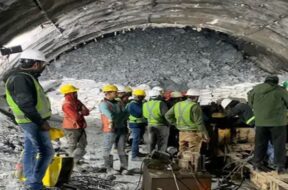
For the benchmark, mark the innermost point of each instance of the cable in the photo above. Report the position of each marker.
(140, 177)
(174, 176)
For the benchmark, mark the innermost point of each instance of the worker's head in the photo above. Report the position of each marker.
(68, 89)
(139, 94)
(33, 60)
(110, 91)
(153, 94)
(193, 94)
(225, 103)
(272, 79)
(128, 90)
(160, 89)
(121, 91)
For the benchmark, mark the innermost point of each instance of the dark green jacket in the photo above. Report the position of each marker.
(269, 103)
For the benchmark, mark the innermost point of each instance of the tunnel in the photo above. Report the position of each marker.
(258, 28)
(215, 45)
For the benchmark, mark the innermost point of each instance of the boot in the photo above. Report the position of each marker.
(108, 162)
(123, 164)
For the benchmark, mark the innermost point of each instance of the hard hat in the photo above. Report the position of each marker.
(154, 93)
(158, 88)
(285, 84)
(176, 94)
(33, 55)
(121, 88)
(193, 92)
(128, 89)
(68, 88)
(139, 92)
(109, 88)
(225, 102)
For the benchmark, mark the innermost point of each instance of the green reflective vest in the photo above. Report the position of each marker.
(182, 112)
(133, 119)
(152, 111)
(43, 104)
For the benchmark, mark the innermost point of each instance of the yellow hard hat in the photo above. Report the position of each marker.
(110, 88)
(139, 92)
(68, 88)
(127, 89)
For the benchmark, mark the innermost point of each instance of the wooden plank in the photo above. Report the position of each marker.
(264, 180)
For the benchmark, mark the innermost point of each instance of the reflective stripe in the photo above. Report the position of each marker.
(250, 120)
(43, 106)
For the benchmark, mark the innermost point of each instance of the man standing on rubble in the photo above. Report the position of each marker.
(31, 108)
(188, 118)
(269, 102)
(154, 111)
(74, 123)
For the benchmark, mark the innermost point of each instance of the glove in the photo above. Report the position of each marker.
(45, 126)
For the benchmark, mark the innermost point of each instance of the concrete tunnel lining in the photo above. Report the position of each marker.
(256, 23)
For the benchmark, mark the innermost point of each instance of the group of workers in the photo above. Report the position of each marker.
(123, 110)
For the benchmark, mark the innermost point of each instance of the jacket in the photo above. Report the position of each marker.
(110, 115)
(269, 103)
(23, 91)
(74, 111)
(244, 112)
(134, 108)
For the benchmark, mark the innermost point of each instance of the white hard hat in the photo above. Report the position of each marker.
(176, 94)
(121, 88)
(154, 93)
(158, 88)
(225, 102)
(193, 92)
(33, 55)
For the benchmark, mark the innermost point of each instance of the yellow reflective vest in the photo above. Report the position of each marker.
(182, 112)
(43, 104)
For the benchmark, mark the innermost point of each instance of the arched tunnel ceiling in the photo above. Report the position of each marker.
(263, 24)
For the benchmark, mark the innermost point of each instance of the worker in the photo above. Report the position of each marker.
(173, 139)
(187, 117)
(31, 108)
(122, 131)
(234, 108)
(154, 111)
(110, 117)
(160, 89)
(269, 102)
(74, 123)
(137, 122)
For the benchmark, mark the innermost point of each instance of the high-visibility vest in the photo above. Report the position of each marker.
(152, 111)
(182, 112)
(133, 119)
(42, 106)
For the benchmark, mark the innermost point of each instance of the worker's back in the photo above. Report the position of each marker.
(269, 103)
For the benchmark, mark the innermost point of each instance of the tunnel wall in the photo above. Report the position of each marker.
(261, 24)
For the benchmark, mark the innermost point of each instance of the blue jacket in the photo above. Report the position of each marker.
(134, 108)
